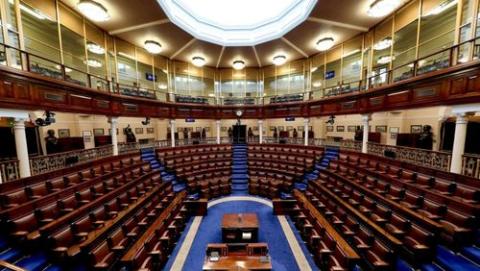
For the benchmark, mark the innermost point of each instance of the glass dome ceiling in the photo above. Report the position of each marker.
(237, 22)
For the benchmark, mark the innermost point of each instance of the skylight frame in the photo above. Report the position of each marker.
(246, 35)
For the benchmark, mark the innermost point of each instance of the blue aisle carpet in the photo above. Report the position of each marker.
(270, 232)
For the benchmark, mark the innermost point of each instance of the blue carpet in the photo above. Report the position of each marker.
(270, 232)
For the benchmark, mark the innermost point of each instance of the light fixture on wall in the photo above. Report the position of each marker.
(93, 10)
(279, 60)
(380, 8)
(383, 44)
(152, 46)
(94, 63)
(238, 64)
(198, 61)
(49, 119)
(146, 121)
(95, 48)
(331, 120)
(325, 44)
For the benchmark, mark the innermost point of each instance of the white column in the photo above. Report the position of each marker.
(366, 127)
(260, 131)
(172, 132)
(459, 143)
(113, 134)
(305, 129)
(22, 148)
(217, 122)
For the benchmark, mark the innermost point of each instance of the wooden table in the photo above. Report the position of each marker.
(250, 256)
(236, 263)
(234, 226)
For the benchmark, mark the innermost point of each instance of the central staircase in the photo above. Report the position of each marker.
(239, 170)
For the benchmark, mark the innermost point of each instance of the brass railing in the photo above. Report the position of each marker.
(471, 165)
(46, 163)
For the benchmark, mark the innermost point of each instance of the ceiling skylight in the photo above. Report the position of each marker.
(237, 22)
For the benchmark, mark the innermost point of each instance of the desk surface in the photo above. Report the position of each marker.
(239, 221)
(237, 263)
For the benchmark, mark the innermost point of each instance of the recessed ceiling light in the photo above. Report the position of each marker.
(325, 44)
(442, 7)
(380, 8)
(238, 64)
(152, 47)
(94, 63)
(95, 48)
(279, 60)
(384, 59)
(198, 61)
(67, 69)
(383, 44)
(93, 10)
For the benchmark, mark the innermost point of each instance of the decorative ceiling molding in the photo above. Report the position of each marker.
(220, 56)
(257, 57)
(139, 26)
(179, 51)
(294, 47)
(339, 24)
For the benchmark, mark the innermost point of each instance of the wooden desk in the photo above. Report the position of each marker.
(236, 263)
(235, 225)
(233, 257)
(197, 207)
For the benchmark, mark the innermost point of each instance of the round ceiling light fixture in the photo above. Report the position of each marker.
(198, 61)
(279, 60)
(95, 48)
(94, 63)
(93, 10)
(383, 44)
(238, 64)
(152, 47)
(380, 8)
(384, 59)
(325, 44)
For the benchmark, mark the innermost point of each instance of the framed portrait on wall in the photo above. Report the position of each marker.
(415, 129)
(207, 129)
(150, 130)
(110, 131)
(271, 128)
(394, 130)
(255, 128)
(381, 128)
(289, 128)
(198, 129)
(281, 128)
(300, 128)
(329, 128)
(62, 133)
(351, 128)
(98, 132)
(223, 129)
(341, 128)
(138, 131)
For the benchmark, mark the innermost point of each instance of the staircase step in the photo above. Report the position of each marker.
(431, 267)
(472, 253)
(10, 255)
(33, 263)
(240, 181)
(453, 262)
(239, 187)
